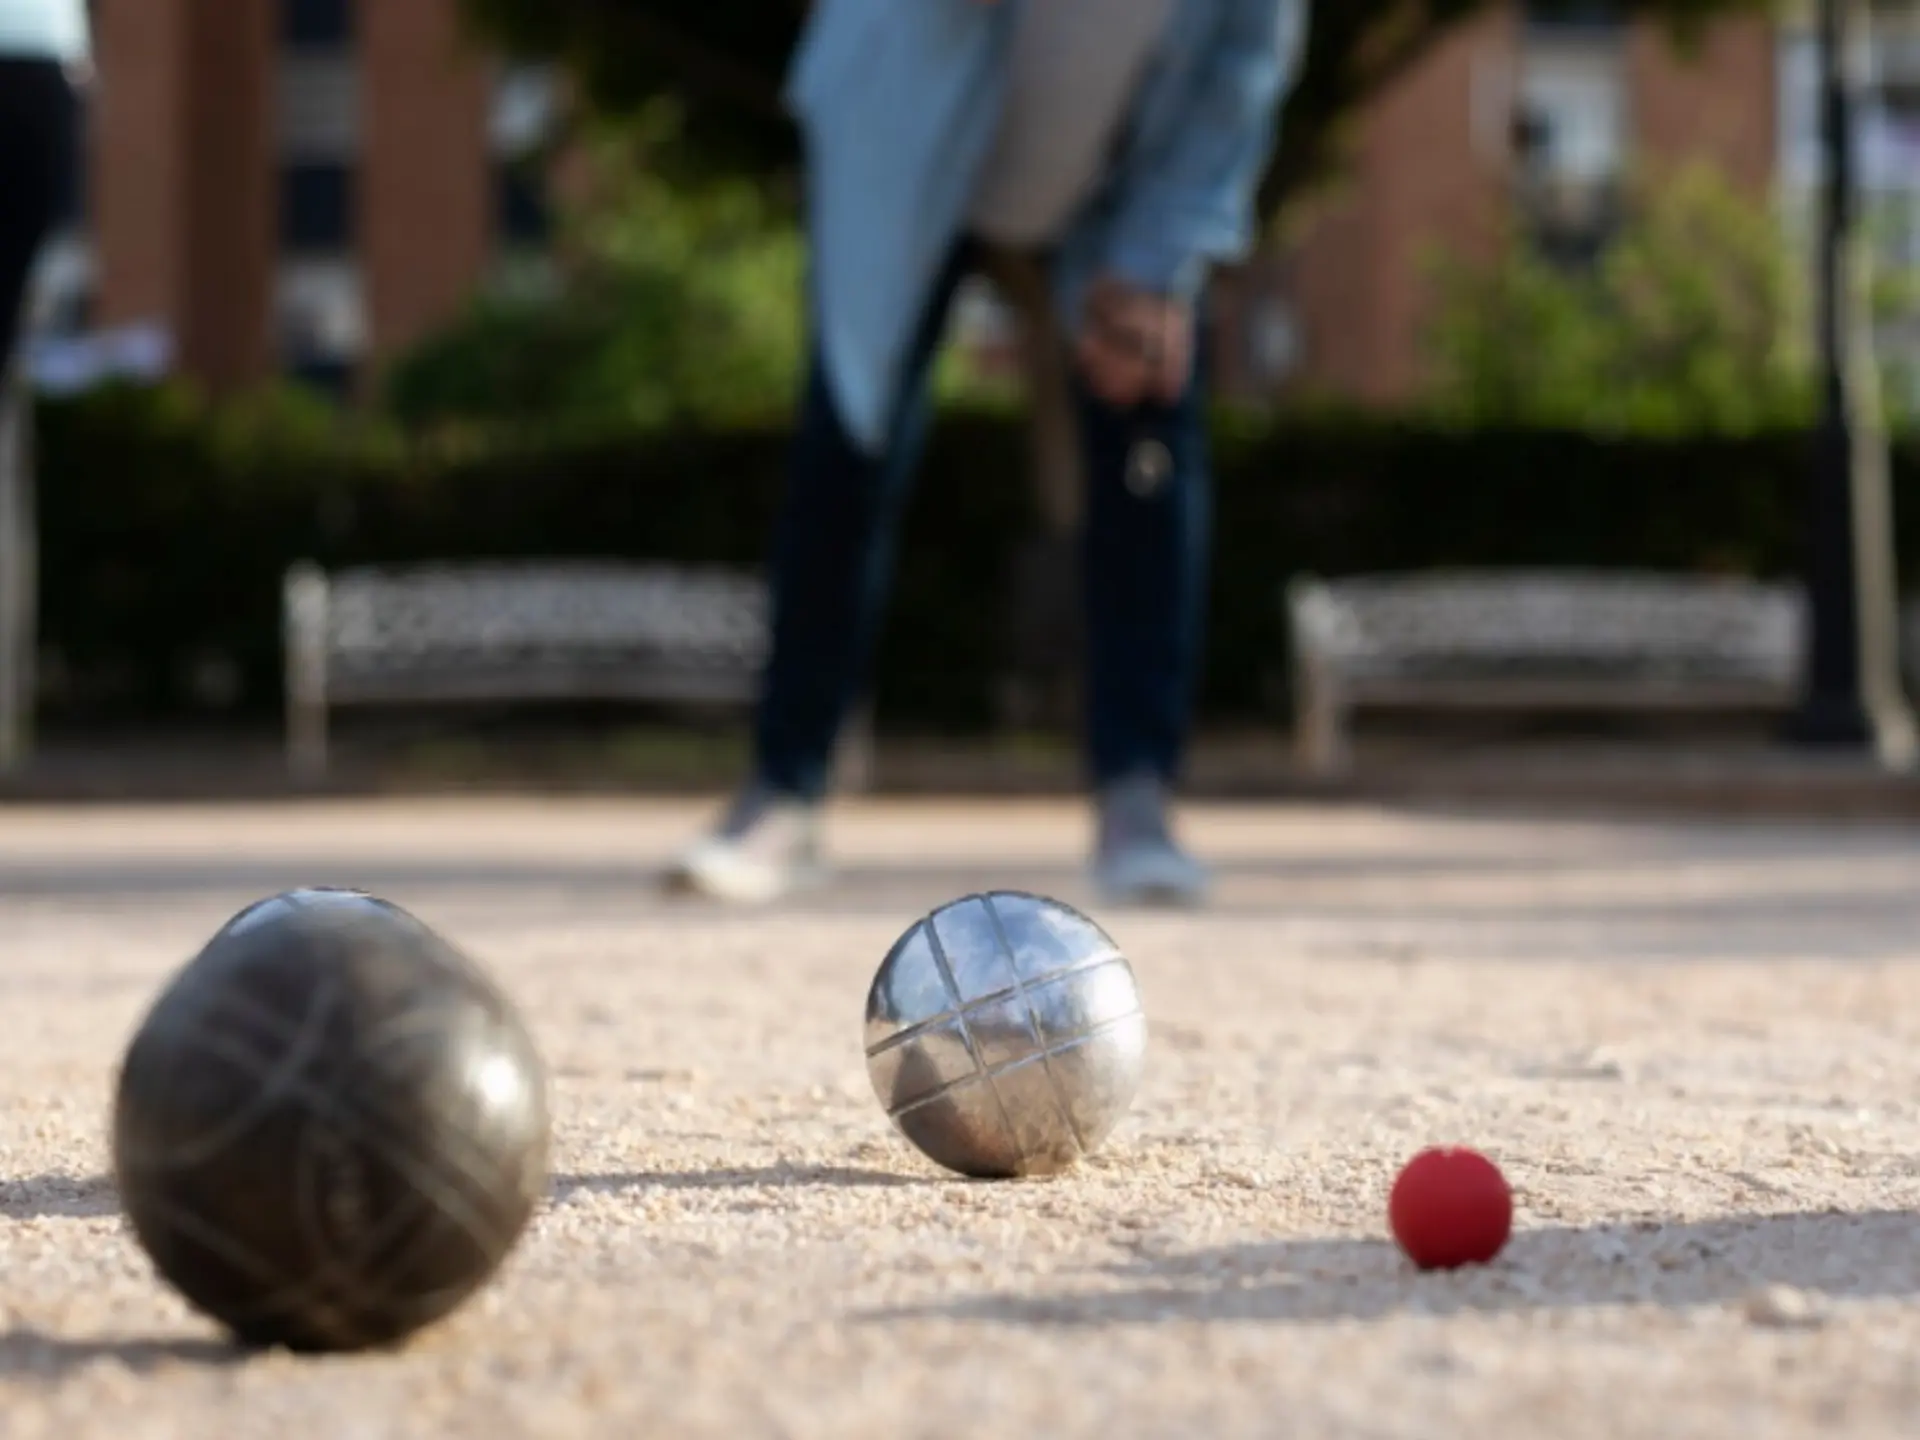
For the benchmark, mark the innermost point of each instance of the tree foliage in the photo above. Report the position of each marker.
(1693, 319)
(681, 303)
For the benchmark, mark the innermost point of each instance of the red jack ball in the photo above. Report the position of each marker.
(1450, 1207)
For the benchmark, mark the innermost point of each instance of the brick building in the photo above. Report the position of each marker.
(1541, 110)
(292, 185)
(307, 185)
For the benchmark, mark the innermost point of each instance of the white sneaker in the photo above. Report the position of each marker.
(766, 846)
(1137, 861)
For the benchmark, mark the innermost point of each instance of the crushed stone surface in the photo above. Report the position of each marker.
(1693, 1048)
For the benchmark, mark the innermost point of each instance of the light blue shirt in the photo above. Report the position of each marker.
(45, 30)
(899, 102)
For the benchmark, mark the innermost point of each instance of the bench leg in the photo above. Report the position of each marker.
(307, 739)
(1320, 723)
(853, 757)
(304, 637)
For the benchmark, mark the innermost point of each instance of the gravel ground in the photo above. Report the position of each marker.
(1692, 1047)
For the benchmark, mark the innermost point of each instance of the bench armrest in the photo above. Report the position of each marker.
(304, 619)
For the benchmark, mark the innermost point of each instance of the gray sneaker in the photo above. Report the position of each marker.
(1137, 861)
(767, 845)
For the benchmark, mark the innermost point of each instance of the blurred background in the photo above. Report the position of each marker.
(445, 282)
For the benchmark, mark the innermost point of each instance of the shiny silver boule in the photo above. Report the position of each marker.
(1005, 1035)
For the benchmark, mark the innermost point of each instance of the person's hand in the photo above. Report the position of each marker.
(1134, 345)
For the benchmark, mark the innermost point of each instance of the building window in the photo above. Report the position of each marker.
(520, 130)
(319, 106)
(75, 198)
(1275, 344)
(316, 24)
(1571, 127)
(320, 314)
(522, 216)
(1575, 15)
(59, 295)
(60, 288)
(318, 307)
(316, 207)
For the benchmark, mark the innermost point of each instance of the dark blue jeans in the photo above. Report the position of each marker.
(1145, 560)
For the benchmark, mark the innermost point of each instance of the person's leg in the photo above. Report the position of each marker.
(832, 566)
(1147, 539)
(36, 120)
(833, 562)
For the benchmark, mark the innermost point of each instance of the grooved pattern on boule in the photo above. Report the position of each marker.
(1005, 1035)
(331, 1128)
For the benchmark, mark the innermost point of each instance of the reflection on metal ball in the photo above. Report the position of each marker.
(1005, 1035)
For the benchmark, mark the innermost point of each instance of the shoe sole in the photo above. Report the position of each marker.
(1160, 892)
(682, 880)
(1155, 897)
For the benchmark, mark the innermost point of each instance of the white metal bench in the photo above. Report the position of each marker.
(1910, 643)
(484, 633)
(1533, 639)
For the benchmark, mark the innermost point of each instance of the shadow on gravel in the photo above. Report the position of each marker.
(27, 1353)
(1874, 1255)
(770, 1177)
(41, 1197)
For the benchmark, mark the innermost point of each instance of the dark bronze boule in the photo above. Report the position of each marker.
(331, 1128)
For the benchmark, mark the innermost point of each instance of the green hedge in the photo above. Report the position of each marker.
(165, 530)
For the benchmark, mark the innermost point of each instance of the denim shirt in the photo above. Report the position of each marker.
(898, 101)
(44, 30)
